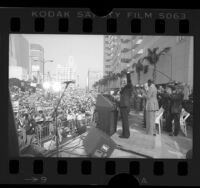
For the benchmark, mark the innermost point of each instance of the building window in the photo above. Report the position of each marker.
(107, 66)
(107, 72)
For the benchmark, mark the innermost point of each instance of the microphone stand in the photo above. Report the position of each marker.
(56, 113)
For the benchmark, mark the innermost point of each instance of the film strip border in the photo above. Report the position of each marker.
(39, 23)
(98, 171)
(87, 169)
(74, 21)
(88, 24)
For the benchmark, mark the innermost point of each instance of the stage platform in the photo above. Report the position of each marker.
(159, 146)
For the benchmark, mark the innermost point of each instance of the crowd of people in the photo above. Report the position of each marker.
(32, 109)
(35, 108)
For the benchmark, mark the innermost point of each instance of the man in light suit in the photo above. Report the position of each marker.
(151, 107)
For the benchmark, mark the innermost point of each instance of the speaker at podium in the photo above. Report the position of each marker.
(107, 114)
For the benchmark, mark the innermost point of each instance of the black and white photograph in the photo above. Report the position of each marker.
(101, 96)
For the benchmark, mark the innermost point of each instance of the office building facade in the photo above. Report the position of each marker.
(66, 72)
(176, 64)
(37, 62)
(19, 64)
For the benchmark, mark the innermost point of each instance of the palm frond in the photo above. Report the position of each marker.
(155, 50)
(164, 51)
(149, 51)
(149, 59)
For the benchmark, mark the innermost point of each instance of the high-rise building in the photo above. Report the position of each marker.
(118, 52)
(37, 61)
(112, 48)
(71, 69)
(67, 72)
(61, 73)
(19, 66)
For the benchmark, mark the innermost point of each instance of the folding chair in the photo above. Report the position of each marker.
(183, 117)
(159, 115)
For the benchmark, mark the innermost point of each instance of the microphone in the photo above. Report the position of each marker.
(69, 82)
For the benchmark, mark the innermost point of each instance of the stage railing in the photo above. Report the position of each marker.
(43, 131)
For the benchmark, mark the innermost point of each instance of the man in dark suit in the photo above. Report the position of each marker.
(146, 87)
(167, 108)
(176, 107)
(124, 104)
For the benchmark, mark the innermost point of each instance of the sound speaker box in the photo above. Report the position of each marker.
(98, 144)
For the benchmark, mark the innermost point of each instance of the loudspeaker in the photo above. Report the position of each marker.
(98, 144)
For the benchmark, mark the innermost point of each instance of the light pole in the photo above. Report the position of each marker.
(170, 55)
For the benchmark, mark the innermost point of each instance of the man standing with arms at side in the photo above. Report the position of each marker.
(176, 107)
(146, 87)
(125, 96)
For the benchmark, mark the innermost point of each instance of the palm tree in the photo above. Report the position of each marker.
(138, 67)
(153, 57)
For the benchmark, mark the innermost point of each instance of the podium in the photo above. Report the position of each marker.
(107, 115)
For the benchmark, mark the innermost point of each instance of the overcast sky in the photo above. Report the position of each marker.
(87, 51)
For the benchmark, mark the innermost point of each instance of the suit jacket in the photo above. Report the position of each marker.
(166, 102)
(125, 95)
(176, 101)
(151, 96)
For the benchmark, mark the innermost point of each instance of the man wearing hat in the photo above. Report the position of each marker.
(124, 104)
